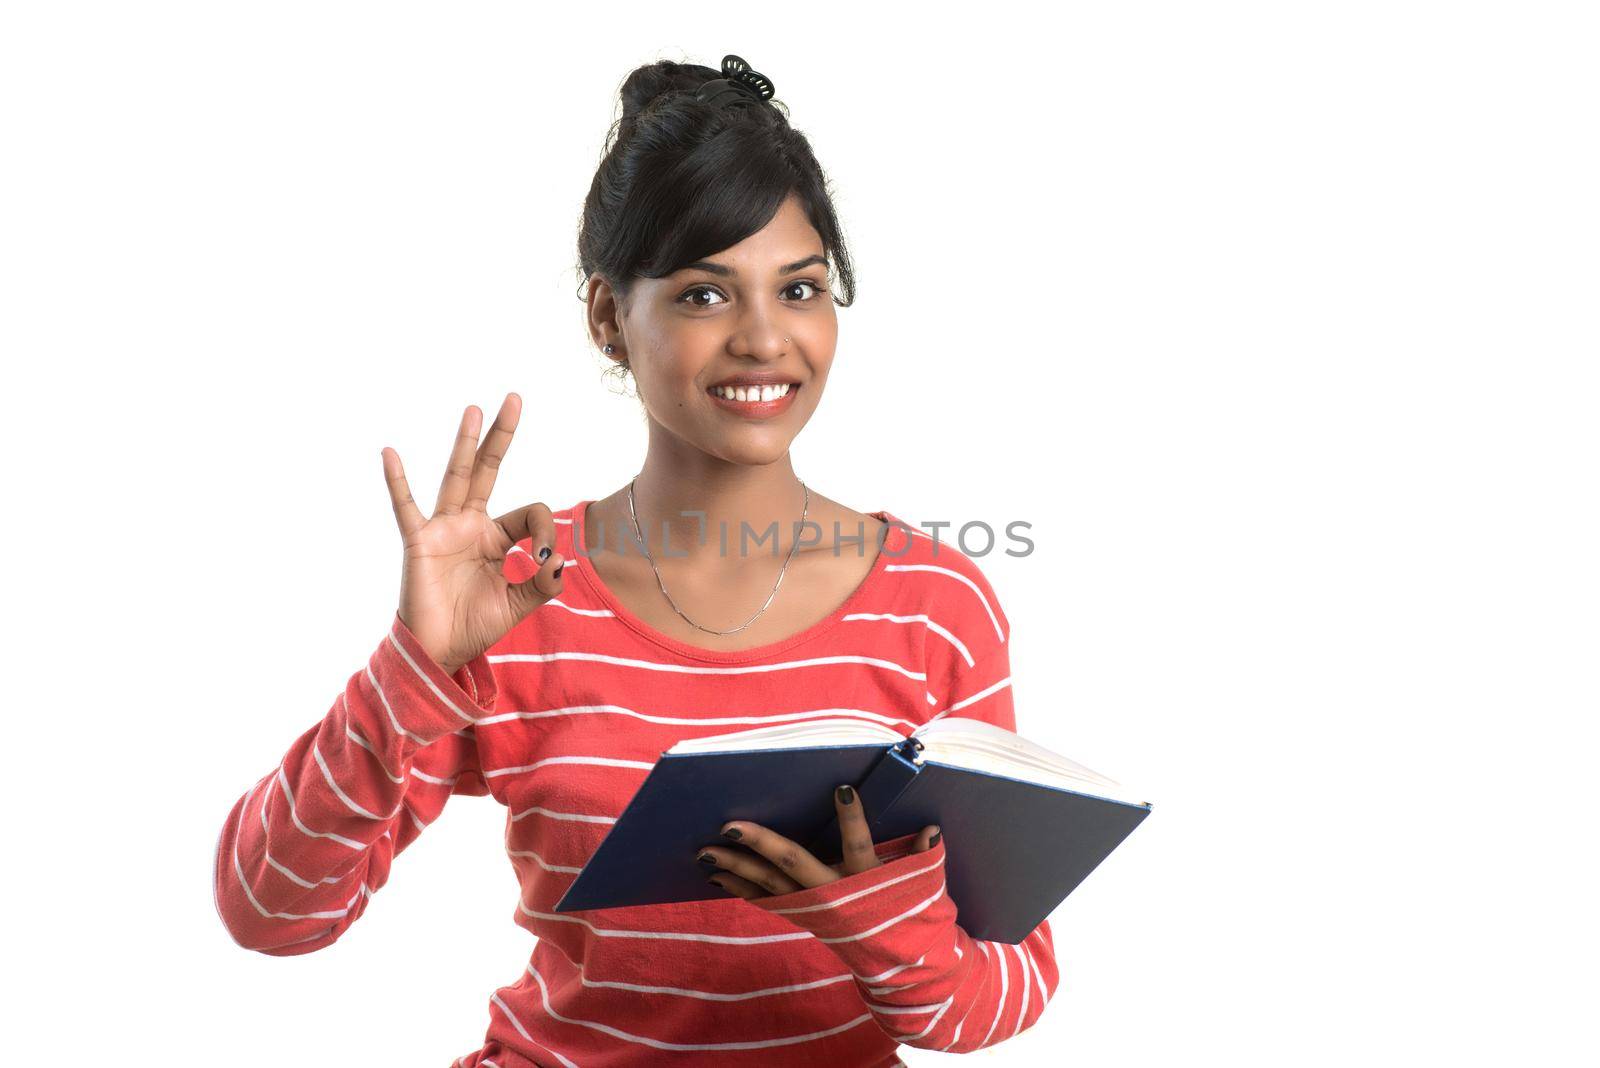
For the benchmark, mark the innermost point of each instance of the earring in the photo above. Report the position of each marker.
(609, 349)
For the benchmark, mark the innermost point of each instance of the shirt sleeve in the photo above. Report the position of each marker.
(926, 981)
(301, 853)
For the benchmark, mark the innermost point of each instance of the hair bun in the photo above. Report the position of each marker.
(654, 80)
(735, 85)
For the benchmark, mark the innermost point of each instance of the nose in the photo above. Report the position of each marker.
(758, 336)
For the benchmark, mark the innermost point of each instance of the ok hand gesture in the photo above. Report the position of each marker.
(453, 596)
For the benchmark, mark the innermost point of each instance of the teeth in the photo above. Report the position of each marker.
(752, 393)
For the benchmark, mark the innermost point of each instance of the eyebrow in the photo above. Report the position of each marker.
(725, 271)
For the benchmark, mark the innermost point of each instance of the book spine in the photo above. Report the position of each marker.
(889, 780)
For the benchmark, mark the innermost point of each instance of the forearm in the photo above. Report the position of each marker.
(928, 983)
(303, 849)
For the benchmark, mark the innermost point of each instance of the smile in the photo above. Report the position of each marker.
(755, 401)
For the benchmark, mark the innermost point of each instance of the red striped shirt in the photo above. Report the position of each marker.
(560, 721)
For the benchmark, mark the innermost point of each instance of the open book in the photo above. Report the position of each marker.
(1022, 826)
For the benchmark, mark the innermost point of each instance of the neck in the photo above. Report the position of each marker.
(677, 479)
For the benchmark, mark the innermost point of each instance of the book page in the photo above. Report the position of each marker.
(981, 746)
(833, 730)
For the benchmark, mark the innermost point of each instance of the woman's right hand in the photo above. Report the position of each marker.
(453, 596)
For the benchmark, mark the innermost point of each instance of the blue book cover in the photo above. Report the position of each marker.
(1022, 826)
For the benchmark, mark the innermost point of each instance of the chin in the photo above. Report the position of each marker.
(747, 452)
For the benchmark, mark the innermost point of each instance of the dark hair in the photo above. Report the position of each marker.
(681, 179)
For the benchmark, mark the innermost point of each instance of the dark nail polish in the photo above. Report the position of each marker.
(935, 839)
(713, 882)
(557, 572)
(732, 832)
(544, 554)
(845, 795)
(706, 858)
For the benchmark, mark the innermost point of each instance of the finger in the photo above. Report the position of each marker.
(458, 472)
(737, 885)
(755, 869)
(487, 466)
(855, 839)
(534, 522)
(545, 584)
(406, 512)
(787, 856)
(926, 839)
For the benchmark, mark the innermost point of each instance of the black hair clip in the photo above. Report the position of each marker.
(738, 85)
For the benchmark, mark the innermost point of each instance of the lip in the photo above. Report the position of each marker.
(756, 409)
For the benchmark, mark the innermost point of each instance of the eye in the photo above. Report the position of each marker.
(687, 297)
(815, 289)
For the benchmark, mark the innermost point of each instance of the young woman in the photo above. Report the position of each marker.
(548, 657)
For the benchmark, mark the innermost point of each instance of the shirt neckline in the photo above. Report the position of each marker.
(894, 545)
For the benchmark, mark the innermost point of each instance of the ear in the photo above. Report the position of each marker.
(604, 319)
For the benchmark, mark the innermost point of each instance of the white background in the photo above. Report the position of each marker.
(1277, 321)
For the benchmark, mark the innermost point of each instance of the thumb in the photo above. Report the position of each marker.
(546, 583)
(927, 839)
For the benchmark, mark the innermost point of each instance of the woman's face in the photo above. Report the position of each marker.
(757, 318)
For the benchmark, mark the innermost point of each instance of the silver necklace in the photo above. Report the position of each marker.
(804, 509)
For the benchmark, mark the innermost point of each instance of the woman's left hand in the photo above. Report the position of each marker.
(782, 866)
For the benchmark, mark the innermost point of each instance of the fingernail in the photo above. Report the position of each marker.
(845, 795)
(706, 858)
(713, 882)
(732, 832)
(557, 572)
(544, 554)
(935, 839)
